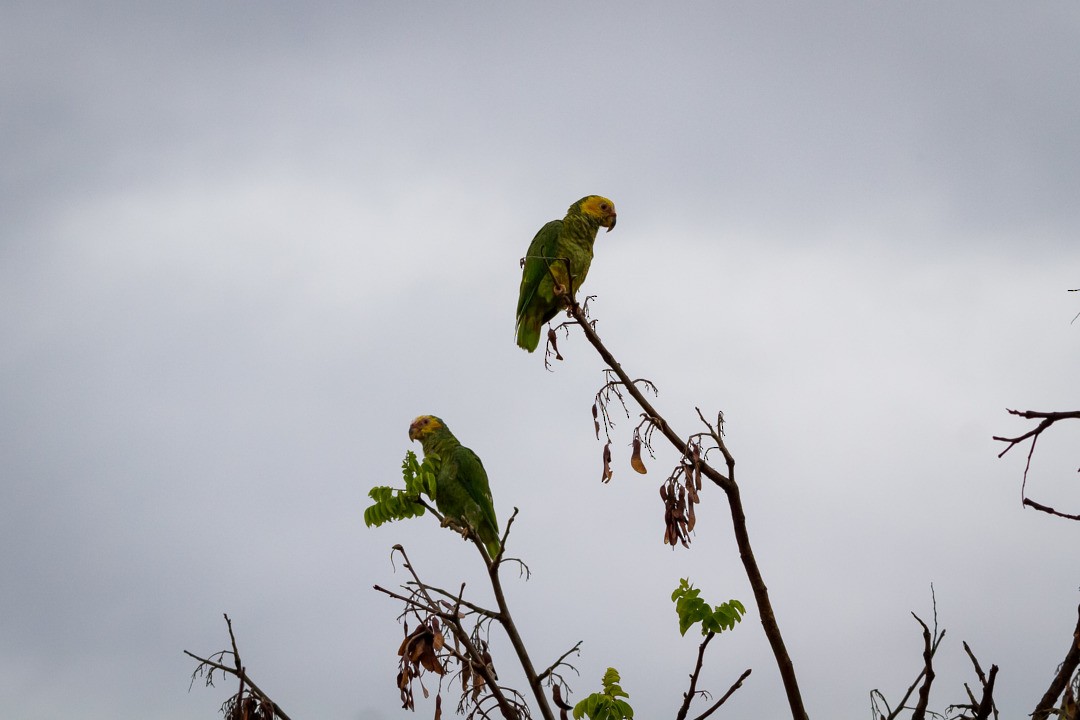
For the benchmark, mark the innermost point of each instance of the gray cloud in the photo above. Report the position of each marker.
(245, 245)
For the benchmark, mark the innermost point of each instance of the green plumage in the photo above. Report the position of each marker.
(462, 493)
(558, 243)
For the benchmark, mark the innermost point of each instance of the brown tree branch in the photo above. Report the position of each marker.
(986, 704)
(1047, 419)
(738, 515)
(981, 708)
(208, 666)
(1057, 685)
(560, 661)
(928, 672)
(510, 627)
(452, 619)
(723, 698)
(423, 599)
(937, 638)
(688, 696)
(1049, 510)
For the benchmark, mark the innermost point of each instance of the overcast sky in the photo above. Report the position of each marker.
(243, 245)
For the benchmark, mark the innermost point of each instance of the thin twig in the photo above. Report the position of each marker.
(576, 649)
(688, 696)
(723, 698)
(238, 671)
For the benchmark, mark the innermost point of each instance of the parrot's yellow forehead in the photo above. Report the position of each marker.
(423, 425)
(597, 206)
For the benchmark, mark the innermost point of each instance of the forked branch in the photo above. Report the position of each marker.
(249, 702)
(692, 692)
(1046, 419)
(1061, 680)
(428, 601)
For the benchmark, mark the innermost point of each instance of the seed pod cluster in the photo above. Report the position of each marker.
(419, 651)
(469, 672)
(680, 493)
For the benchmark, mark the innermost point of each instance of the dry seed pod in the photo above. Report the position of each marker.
(635, 458)
(554, 345)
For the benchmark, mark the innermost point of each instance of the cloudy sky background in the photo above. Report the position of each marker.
(244, 244)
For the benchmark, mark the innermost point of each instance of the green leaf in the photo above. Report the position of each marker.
(403, 503)
(606, 705)
(691, 610)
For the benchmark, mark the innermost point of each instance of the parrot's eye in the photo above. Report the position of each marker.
(603, 206)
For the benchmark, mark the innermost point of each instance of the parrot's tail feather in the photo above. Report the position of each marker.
(528, 337)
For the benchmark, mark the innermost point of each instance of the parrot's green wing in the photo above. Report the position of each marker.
(542, 250)
(462, 494)
(535, 308)
(480, 512)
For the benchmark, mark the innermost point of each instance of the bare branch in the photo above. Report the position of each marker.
(1061, 680)
(560, 661)
(1047, 419)
(249, 697)
(723, 698)
(1049, 510)
(928, 672)
(474, 658)
(934, 644)
(688, 696)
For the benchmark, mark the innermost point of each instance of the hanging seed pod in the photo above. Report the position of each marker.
(553, 343)
(688, 471)
(635, 457)
(697, 466)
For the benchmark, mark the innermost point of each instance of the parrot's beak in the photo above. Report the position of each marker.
(412, 431)
(611, 218)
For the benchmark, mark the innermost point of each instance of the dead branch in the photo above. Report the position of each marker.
(429, 601)
(981, 708)
(927, 674)
(1061, 679)
(931, 642)
(249, 701)
(1046, 419)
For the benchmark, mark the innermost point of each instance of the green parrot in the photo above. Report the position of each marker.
(571, 238)
(461, 486)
